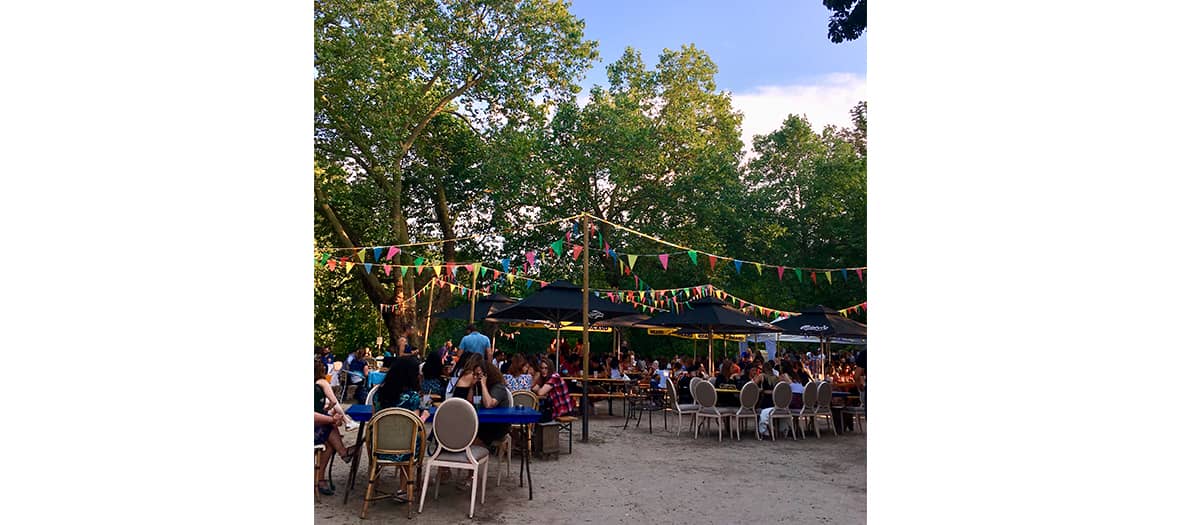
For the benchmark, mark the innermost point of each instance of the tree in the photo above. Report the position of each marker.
(386, 70)
(848, 20)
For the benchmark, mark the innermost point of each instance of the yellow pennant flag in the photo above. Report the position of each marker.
(360, 256)
(511, 278)
(758, 267)
(829, 276)
(348, 266)
(437, 269)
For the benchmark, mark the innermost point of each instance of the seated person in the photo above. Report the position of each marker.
(358, 374)
(491, 383)
(433, 374)
(519, 376)
(551, 386)
(400, 390)
(326, 431)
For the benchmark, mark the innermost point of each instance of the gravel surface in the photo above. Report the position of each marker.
(621, 476)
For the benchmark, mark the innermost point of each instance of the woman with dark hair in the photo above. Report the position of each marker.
(326, 432)
(495, 394)
(400, 390)
(432, 374)
(468, 381)
(551, 387)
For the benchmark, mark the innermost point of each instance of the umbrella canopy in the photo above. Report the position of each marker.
(484, 307)
(822, 322)
(712, 315)
(561, 301)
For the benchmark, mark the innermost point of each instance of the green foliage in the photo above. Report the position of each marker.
(848, 21)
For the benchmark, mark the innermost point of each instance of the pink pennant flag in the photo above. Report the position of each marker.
(780, 272)
(388, 269)
(664, 260)
(531, 257)
(860, 275)
(712, 262)
(469, 267)
(393, 250)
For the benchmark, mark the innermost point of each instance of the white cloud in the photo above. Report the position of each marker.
(825, 101)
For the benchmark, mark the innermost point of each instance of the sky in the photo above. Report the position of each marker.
(773, 56)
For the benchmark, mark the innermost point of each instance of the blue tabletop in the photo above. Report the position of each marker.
(508, 415)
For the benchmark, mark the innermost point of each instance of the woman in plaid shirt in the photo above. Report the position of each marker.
(554, 387)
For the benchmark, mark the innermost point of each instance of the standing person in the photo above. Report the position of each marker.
(446, 351)
(475, 342)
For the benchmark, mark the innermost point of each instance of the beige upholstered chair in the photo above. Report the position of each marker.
(782, 408)
(394, 431)
(707, 397)
(681, 409)
(810, 397)
(749, 401)
(823, 407)
(455, 425)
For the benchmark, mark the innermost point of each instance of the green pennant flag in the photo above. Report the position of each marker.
(599, 240)
(631, 260)
(404, 270)
(693, 255)
(418, 263)
(557, 247)
(799, 274)
(482, 271)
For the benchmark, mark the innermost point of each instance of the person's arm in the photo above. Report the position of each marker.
(543, 389)
(487, 400)
(332, 403)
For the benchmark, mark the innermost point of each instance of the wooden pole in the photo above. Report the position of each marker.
(471, 318)
(429, 310)
(710, 351)
(585, 327)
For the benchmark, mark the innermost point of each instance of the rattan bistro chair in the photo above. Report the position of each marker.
(782, 409)
(455, 425)
(707, 397)
(748, 410)
(394, 431)
(525, 398)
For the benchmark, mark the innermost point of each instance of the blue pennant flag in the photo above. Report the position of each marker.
(368, 267)
(844, 272)
(377, 253)
(614, 255)
(737, 264)
(506, 263)
(528, 283)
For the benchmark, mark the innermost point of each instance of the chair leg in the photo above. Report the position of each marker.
(425, 487)
(474, 483)
(369, 489)
(483, 484)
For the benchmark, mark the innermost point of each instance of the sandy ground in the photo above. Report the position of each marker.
(622, 476)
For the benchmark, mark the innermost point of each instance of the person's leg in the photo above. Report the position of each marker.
(336, 444)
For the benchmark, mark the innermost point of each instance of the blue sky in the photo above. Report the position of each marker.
(774, 56)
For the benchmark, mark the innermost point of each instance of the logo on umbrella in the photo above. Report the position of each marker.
(595, 314)
(756, 322)
(813, 328)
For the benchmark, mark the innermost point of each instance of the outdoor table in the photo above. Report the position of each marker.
(361, 414)
(610, 402)
(511, 416)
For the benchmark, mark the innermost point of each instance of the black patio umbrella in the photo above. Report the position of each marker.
(560, 302)
(712, 316)
(824, 323)
(484, 307)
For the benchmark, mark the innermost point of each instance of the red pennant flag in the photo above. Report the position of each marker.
(780, 272)
(860, 275)
(712, 261)
(664, 260)
(626, 270)
(331, 264)
(813, 278)
(577, 251)
(495, 274)
(388, 269)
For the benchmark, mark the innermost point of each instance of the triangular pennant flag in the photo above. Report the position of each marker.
(613, 255)
(360, 255)
(531, 257)
(377, 253)
(437, 270)
(511, 278)
(418, 264)
(737, 264)
(528, 283)
(470, 268)
(664, 260)
(631, 260)
(829, 276)
(780, 272)
(758, 267)
(813, 278)
(506, 263)
(844, 273)
(393, 250)
(404, 270)
(368, 267)
(799, 274)
(451, 269)
(477, 267)
(599, 240)
(693, 255)
(388, 269)
(324, 258)
(348, 266)
(495, 274)
(331, 264)
(626, 269)
(860, 275)
(712, 262)
(557, 247)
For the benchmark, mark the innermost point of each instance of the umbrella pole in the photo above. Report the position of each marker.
(429, 310)
(710, 351)
(585, 326)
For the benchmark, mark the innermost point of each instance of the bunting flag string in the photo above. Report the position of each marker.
(457, 239)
